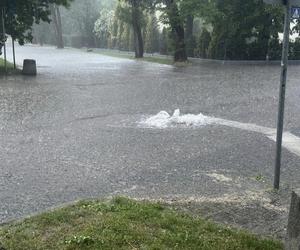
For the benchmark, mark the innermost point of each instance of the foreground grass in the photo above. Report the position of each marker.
(161, 60)
(124, 224)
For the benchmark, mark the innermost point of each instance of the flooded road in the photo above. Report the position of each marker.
(70, 132)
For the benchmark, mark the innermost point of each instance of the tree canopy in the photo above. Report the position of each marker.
(19, 16)
(242, 30)
(216, 29)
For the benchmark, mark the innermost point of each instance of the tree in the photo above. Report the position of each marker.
(134, 15)
(136, 19)
(189, 38)
(152, 34)
(125, 38)
(190, 9)
(242, 30)
(164, 42)
(173, 17)
(81, 18)
(132, 12)
(44, 33)
(121, 28)
(203, 44)
(104, 27)
(178, 13)
(21, 14)
(56, 18)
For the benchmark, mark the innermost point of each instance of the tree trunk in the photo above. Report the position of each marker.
(178, 31)
(138, 37)
(56, 18)
(189, 35)
(60, 35)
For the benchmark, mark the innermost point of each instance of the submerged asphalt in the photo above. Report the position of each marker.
(71, 132)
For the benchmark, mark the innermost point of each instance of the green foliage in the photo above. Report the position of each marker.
(260, 178)
(164, 42)
(80, 240)
(134, 11)
(152, 34)
(217, 29)
(10, 70)
(80, 23)
(125, 224)
(104, 27)
(295, 50)
(80, 19)
(203, 44)
(242, 30)
(21, 14)
(114, 28)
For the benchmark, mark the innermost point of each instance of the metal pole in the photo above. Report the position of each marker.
(14, 54)
(283, 77)
(4, 37)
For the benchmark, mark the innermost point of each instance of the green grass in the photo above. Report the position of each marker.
(124, 224)
(161, 60)
(10, 67)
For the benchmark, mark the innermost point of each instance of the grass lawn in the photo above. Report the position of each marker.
(10, 67)
(121, 54)
(124, 224)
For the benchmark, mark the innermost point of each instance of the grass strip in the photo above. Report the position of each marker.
(153, 59)
(10, 67)
(122, 223)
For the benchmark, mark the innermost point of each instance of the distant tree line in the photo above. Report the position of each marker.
(216, 29)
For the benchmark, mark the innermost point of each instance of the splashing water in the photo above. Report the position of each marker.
(164, 120)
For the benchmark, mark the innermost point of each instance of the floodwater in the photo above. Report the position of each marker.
(64, 133)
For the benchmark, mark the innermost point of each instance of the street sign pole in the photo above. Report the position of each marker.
(4, 37)
(14, 52)
(283, 78)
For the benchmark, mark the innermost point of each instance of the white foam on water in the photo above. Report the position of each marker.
(164, 120)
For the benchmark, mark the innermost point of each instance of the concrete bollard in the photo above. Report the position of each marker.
(293, 230)
(29, 67)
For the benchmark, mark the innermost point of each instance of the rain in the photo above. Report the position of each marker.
(163, 101)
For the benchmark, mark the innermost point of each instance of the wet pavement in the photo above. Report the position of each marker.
(70, 133)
